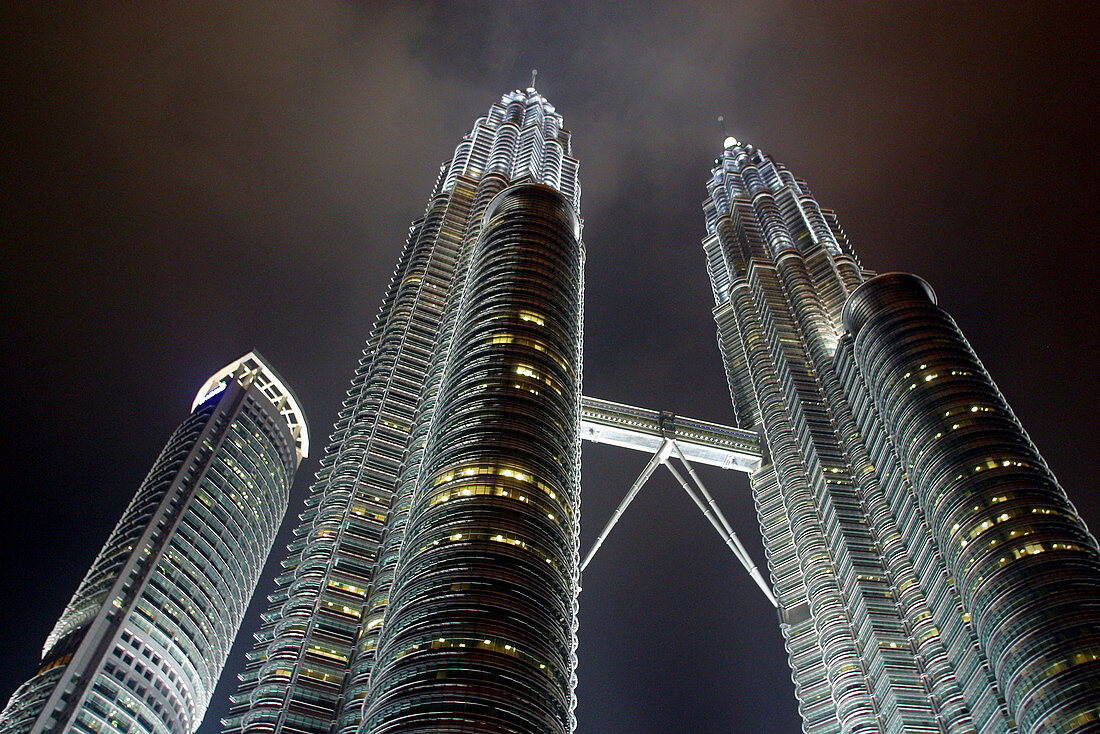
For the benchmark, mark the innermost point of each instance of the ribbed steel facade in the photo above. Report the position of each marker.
(141, 645)
(1026, 568)
(480, 632)
(931, 574)
(330, 622)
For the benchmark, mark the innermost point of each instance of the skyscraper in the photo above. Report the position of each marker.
(433, 574)
(931, 574)
(142, 643)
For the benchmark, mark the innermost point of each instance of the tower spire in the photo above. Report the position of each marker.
(376, 456)
(877, 440)
(534, 73)
(729, 141)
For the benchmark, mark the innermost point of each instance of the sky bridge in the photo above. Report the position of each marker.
(665, 436)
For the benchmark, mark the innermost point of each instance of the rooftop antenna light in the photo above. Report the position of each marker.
(534, 73)
(730, 141)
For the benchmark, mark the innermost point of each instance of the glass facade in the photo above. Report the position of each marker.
(485, 593)
(141, 645)
(931, 574)
(1024, 566)
(344, 604)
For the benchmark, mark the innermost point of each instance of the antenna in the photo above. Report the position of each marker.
(730, 141)
(534, 73)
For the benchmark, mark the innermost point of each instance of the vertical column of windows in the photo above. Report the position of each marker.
(460, 228)
(173, 580)
(93, 589)
(856, 522)
(481, 620)
(821, 487)
(810, 433)
(353, 520)
(357, 682)
(794, 544)
(1026, 568)
(946, 627)
(296, 687)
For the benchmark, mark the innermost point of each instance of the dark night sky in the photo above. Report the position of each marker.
(189, 182)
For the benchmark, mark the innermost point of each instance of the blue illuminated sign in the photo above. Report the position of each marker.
(214, 391)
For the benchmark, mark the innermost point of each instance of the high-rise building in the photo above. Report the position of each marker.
(432, 579)
(141, 645)
(931, 574)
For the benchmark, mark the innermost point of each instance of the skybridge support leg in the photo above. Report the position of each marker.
(711, 511)
(657, 459)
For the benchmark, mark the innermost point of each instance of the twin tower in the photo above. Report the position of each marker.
(930, 574)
